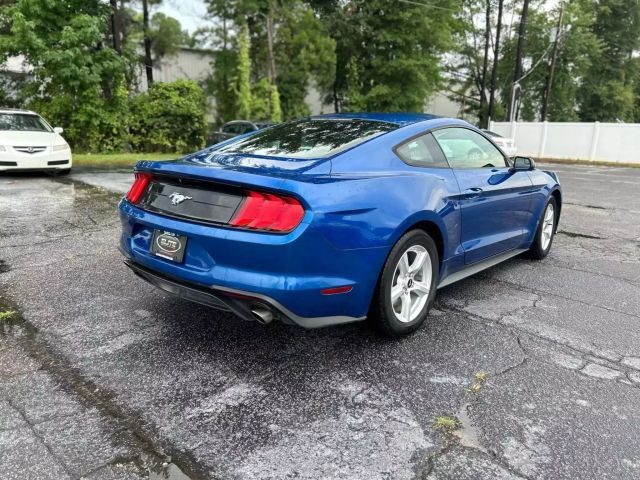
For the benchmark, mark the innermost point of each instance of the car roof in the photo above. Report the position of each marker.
(400, 119)
(17, 110)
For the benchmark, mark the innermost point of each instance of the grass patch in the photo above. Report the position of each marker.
(446, 424)
(6, 315)
(479, 379)
(117, 160)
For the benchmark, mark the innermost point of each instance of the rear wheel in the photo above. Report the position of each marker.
(407, 285)
(546, 229)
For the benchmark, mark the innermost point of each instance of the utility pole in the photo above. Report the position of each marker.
(148, 62)
(552, 67)
(485, 62)
(115, 27)
(494, 70)
(522, 33)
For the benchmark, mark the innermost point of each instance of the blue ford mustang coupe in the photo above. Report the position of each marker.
(336, 218)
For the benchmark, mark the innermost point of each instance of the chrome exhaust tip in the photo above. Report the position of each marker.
(262, 314)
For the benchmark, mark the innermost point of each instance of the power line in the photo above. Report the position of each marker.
(429, 5)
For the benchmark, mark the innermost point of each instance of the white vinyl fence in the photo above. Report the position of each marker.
(605, 142)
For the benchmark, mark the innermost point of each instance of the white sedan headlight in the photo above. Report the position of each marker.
(57, 148)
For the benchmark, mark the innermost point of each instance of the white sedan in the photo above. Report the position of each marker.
(28, 142)
(507, 145)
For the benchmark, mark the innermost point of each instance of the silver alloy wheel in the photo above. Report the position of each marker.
(411, 284)
(547, 226)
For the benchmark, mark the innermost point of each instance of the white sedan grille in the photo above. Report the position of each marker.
(30, 149)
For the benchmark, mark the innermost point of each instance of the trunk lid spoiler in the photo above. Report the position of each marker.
(240, 169)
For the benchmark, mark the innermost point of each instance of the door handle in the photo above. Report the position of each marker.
(474, 192)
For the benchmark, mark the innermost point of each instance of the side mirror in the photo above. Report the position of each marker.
(58, 130)
(523, 164)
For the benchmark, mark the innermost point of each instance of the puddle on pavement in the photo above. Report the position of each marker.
(167, 471)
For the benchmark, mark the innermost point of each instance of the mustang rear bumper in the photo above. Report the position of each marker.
(247, 305)
(286, 272)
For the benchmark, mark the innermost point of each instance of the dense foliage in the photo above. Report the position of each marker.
(80, 82)
(75, 81)
(359, 54)
(169, 118)
(390, 52)
(596, 75)
(302, 54)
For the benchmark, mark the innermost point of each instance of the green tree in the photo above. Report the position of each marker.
(243, 76)
(536, 54)
(220, 84)
(608, 90)
(468, 68)
(390, 52)
(305, 55)
(78, 80)
(169, 118)
(301, 51)
(167, 36)
(578, 47)
(275, 110)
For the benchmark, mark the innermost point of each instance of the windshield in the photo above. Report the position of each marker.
(310, 138)
(23, 122)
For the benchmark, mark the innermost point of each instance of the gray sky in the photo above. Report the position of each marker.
(190, 13)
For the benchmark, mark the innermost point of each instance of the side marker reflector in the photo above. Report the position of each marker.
(336, 290)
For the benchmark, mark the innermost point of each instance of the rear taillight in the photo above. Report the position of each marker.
(139, 186)
(266, 211)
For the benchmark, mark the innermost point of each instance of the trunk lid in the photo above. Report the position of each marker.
(209, 188)
(257, 164)
(240, 169)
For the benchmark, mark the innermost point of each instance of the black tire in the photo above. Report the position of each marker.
(65, 171)
(382, 310)
(538, 251)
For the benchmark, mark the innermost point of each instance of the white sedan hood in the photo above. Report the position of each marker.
(28, 139)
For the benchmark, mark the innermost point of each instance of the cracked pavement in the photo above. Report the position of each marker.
(103, 377)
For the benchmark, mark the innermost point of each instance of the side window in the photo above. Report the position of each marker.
(465, 148)
(422, 151)
(245, 128)
(230, 128)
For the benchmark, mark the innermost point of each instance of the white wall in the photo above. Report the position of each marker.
(192, 64)
(606, 142)
(442, 105)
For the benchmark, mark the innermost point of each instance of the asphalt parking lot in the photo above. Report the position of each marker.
(528, 370)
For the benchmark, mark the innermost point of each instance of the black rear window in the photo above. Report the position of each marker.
(310, 138)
